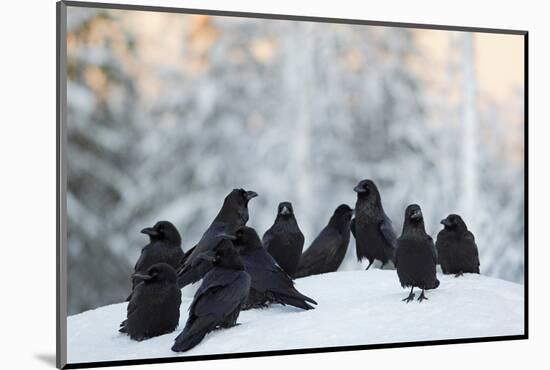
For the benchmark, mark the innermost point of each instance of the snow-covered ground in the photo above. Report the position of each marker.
(355, 307)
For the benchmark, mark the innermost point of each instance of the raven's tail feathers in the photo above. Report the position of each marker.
(185, 258)
(295, 299)
(302, 272)
(193, 333)
(189, 275)
(184, 341)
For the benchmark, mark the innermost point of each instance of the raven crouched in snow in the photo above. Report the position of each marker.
(284, 240)
(372, 229)
(154, 308)
(217, 302)
(327, 251)
(164, 246)
(456, 247)
(415, 257)
(232, 215)
(270, 284)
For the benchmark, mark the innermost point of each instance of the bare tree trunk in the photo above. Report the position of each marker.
(300, 79)
(470, 130)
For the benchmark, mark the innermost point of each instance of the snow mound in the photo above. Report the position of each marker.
(355, 308)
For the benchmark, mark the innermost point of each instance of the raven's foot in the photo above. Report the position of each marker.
(370, 264)
(410, 297)
(459, 274)
(422, 296)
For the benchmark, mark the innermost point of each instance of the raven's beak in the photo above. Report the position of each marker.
(207, 257)
(285, 211)
(143, 277)
(417, 214)
(359, 189)
(445, 222)
(150, 231)
(250, 194)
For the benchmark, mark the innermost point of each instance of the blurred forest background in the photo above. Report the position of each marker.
(169, 112)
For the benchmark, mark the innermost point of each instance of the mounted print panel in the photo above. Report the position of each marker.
(234, 184)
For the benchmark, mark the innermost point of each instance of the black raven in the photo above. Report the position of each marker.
(415, 257)
(154, 308)
(164, 246)
(284, 240)
(456, 247)
(217, 302)
(270, 283)
(372, 229)
(232, 215)
(327, 251)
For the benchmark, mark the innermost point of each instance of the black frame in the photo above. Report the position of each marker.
(61, 278)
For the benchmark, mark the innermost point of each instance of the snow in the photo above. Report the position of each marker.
(355, 308)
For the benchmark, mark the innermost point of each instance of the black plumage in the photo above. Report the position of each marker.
(232, 215)
(415, 257)
(164, 246)
(284, 240)
(373, 231)
(154, 308)
(270, 283)
(217, 302)
(327, 251)
(456, 247)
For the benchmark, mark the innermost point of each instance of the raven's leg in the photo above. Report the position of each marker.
(422, 296)
(460, 273)
(410, 297)
(370, 263)
(382, 266)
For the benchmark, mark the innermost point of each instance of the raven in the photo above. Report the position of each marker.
(270, 283)
(154, 308)
(372, 229)
(456, 247)
(164, 246)
(217, 302)
(284, 240)
(232, 215)
(327, 251)
(415, 256)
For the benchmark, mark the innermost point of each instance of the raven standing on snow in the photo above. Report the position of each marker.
(284, 240)
(217, 303)
(456, 247)
(164, 246)
(415, 257)
(269, 282)
(232, 215)
(154, 308)
(372, 229)
(327, 251)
